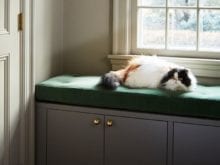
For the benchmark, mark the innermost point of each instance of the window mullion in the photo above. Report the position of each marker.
(166, 28)
(198, 26)
(171, 7)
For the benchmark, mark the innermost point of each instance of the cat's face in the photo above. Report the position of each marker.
(178, 79)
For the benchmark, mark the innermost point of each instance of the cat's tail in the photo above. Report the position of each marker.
(111, 80)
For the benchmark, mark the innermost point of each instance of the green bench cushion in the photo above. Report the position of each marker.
(85, 91)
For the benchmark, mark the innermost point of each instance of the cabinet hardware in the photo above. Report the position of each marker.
(109, 123)
(96, 121)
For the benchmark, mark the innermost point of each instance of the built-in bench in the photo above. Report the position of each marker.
(79, 122)
(85, 91)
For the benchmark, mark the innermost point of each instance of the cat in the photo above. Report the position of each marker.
(151, 72)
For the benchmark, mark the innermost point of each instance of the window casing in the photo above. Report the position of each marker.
(205, 64)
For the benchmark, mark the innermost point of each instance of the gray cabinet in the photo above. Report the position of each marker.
(130, 141)
(79, 138)
(196, 144)
(74, 138)
(74, 135)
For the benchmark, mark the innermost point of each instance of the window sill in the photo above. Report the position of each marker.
(206, 70)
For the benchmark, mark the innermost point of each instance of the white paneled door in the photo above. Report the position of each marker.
(10, 82)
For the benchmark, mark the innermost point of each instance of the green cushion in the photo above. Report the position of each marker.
(85, 90)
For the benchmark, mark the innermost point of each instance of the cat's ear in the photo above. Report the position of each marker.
(171, 72)
(169, 75)
(186, 71)
(183, 72)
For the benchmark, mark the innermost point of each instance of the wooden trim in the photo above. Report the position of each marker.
(125, 34)
(27, 86)
(121, 26)
(207, 70)
(6, 95)
(124, 113)
(6, 29)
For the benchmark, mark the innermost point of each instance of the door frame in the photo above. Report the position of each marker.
(27, 118)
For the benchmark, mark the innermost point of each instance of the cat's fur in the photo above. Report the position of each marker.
(151, 72)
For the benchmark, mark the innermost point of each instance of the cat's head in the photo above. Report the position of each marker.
(179, 79)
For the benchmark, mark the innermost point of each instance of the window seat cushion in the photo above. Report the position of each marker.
(85, 90)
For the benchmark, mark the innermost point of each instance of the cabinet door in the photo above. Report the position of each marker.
(74, 138)
(130, 141)
(196, 144)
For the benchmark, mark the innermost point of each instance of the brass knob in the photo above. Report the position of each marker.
(96, 121)
(109, 123)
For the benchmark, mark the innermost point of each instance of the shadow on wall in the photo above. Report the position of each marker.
(89, 58)
(48, 38)
(87, 36)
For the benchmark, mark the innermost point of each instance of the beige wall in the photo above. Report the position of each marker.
(48, 23)
(87, 36)
(71, 36)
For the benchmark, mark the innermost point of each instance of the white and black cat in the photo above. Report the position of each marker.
(151, 72)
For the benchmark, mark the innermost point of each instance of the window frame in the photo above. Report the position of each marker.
(206, 65)
(168, 52)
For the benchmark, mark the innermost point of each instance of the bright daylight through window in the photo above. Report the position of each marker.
(192, 25)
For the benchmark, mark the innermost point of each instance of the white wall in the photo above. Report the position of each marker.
(71, 36)
(87, 36)
(48, 36)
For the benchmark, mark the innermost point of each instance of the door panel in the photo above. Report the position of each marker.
(10, 83)
(196, 144)
(4, 110)
(4, 130)
(73, 138)
(135, 141)
(4, 10)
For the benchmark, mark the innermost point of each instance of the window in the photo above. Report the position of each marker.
(183, 25)
(186, 32)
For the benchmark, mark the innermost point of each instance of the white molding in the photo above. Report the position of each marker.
(121, 26)
(7, 109)
(5, 59)
(205, 65)
(201, 67)
(206, 69)
(6, 29)
(125, 34)
(27, 86)
(7, 16)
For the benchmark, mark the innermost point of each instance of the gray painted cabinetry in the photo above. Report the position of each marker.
(131, 141)
(196, 144)
(73, 138)
(73, 135)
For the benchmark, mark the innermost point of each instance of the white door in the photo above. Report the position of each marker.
(10, 82)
